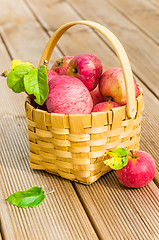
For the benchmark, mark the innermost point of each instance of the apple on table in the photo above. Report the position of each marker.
(134, 169)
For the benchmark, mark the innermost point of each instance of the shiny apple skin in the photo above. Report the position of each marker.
(105, 106)
(112, 84)
(138, 172)
(86, 67)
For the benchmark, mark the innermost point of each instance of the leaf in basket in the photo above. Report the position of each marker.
(36, 82)
(32, 197)
(116, 159)
(16, 76)
(17, 62)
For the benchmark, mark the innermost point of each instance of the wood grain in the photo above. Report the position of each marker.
(142, 13)
(137, 45)
(22, 33)
(118, 212)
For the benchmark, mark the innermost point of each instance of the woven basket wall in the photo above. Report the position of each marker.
(73, 146)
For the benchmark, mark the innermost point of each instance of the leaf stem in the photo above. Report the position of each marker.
(133, 156)
(49, 192)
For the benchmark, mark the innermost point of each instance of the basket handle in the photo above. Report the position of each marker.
(118, 48)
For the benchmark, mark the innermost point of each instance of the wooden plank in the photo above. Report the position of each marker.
(142, 13)
(155, 3)
(61, 215)
(137, 45)
(47, 11)
(121, 213)
(22, 33)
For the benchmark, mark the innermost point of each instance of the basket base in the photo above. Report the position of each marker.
(87, 180)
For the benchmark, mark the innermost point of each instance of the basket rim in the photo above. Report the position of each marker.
(29, 101)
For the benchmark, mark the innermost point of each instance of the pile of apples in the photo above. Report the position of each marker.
(77, 85)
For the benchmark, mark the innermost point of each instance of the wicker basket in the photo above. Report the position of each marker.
(73, 146)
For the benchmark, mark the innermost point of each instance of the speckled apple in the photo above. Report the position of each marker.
(139, 171)
(105, 106)
(61, 65)
(96, 96)
(112, 84)
(88, 68)
(68, 95)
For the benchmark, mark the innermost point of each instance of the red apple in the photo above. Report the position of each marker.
(139, 171)
(51, 74)
(68, 95)
(105, 106)
(61, 65)
(112, 84)
(88, 68)
(96, 96)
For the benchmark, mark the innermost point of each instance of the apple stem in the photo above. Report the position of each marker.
(132, 153)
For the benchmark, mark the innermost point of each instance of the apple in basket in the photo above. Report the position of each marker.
(68, 95)
(112, 84)
(96, 96)
(87, 67)
(51, 74)
(61, 65)
(105, 106)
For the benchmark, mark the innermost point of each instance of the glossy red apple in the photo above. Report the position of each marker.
(96, 96)
(139, 171)
(105, 106)
(88, 68)
(112, 84)
(68, 95)
(61, 65)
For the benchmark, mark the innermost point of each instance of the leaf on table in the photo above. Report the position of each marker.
(36, 82)
(116, 159)
(32, 197)
(15, 79)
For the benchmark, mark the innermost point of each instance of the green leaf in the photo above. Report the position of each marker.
(32, 197)
(116, 159)
(16, 76)
(36, 82)
(120, 152)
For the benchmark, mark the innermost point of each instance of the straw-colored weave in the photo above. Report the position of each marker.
(73, 146)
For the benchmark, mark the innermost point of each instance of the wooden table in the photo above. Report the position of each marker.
(104, 210)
